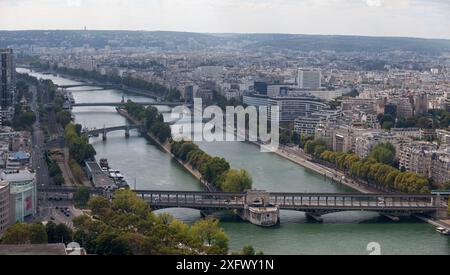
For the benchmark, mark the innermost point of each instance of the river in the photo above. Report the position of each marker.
(146, 166)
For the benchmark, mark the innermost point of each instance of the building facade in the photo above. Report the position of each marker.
(307, 125)
(440, 168)
(309, 79)
(7, 84)
(23, 199)
(256, 100)
(290, 108)
(4, 206)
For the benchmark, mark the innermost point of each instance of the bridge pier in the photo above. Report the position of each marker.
(127, 131)
(104, 135)
(391, 217)
(314, 216)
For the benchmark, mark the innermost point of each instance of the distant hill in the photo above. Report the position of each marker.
(200, 41)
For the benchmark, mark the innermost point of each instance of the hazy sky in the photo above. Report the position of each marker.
(417, 18)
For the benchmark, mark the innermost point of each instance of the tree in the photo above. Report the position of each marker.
(185, 149)
(81, 197)
(386, 121)
(310, 146)
(64, 118)
(126, 201)
(21, 233)
(208, 233)
(425, 123)
(63, 234)
(120, 246)
(50, 229)
(98, 205)
(24, 119)
(214, 168)
(236, 181)
(104, 242)
(384, 153)
(58, 180)
(387, 125)
(248, 251)
(38, 234)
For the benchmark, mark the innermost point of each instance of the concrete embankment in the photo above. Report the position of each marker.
(329, 173)
(167, 148)
(337, 177)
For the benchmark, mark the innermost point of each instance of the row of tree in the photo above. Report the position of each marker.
(375, 171)
(154, 121)
(79, 147)
(37, 233)
(435, 119)
(23, 118)
(214, 170)
(54, 171)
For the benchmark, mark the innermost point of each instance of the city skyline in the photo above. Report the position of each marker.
(399, 18)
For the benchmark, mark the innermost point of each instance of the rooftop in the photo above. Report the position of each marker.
(17, 176)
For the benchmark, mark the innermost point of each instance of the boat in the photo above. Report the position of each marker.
(119, 176)
(104, 164)
(443, 231)
(115, 174)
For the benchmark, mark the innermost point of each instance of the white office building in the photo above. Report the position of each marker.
(309, 79)
(290, 108)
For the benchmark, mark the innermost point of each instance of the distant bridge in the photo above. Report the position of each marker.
(119, 104)
(105, 130)
(104, 86)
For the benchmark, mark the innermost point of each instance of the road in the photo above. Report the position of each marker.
(39, 163)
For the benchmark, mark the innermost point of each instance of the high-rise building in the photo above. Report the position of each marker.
(309, 79)
(7, 83)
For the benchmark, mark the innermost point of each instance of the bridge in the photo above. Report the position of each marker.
(319, 204)
(104, 86)
(255, 205)
(105, 130)
(119, 104)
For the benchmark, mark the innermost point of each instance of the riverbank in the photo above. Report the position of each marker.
(339, 177)
(90, 82)
(334, 175)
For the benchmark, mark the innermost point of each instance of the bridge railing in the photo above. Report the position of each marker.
(354, 200)
(193, 199)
